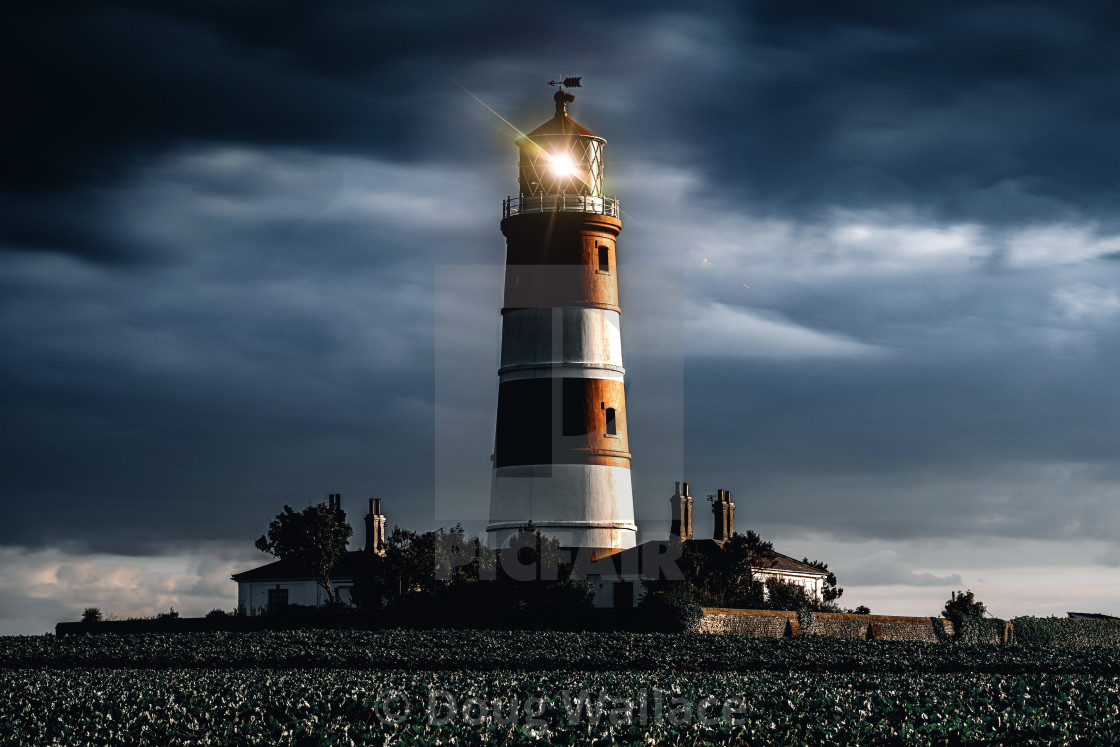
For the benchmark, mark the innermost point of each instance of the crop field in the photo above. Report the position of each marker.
(545, 651)
(397, 687)
(360, 707)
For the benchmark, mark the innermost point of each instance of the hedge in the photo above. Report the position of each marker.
(1065, 632)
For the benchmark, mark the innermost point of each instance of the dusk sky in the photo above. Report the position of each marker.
(870, 280)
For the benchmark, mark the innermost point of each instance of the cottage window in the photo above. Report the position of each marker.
(277, 598)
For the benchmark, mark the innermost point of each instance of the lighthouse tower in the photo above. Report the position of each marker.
(561, 454)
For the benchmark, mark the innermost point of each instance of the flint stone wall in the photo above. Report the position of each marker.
(758, 623)
(776, 624)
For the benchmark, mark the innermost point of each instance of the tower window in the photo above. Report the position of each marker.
(604, 259)
(612, 427)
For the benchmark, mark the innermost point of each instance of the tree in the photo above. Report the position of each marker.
(409, 563)
(668, 612)
(532, 572)
(721, 576)
(788, 595)
(830, 592)
(315, 538)
(91, 615)
(961, 604)
(744, 553)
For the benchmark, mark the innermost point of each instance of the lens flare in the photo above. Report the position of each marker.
(561, 164)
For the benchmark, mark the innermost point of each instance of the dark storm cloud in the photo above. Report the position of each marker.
(981, 111)
(104, 86)
(925, 449)
(275, 357)
(991, 112)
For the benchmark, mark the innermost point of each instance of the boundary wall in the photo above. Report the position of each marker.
(774, 624)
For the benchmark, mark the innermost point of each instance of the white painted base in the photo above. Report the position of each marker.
(580, 505)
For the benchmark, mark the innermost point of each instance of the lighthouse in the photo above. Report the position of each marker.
(561, 451)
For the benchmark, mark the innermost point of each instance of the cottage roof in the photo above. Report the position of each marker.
(283, 570)
(786, 563)
(629, 561)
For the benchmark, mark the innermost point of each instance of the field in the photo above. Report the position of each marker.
(455, 687)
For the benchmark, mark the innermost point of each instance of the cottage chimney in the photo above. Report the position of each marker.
(681, 507)
(724, 512)
(730, 514)
(375, 528)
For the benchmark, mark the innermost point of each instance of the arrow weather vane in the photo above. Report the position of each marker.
(567, 82)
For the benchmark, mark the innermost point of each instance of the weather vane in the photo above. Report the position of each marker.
(567, 82)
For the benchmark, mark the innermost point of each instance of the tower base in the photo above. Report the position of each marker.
(581, 505)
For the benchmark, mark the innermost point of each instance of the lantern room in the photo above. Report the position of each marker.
(561, 168)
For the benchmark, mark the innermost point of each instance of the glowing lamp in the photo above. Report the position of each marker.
(561, 165)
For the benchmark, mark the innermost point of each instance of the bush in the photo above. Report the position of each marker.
(962, 604)
(806, 621)
(939, 630)
(91, 615)
(671, 613)
(217, 614)
(787, 596)
(972, 629)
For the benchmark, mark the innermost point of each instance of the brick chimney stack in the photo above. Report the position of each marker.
(724, 511)
(681, 504)
(375, 528)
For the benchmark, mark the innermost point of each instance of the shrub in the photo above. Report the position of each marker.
(91, 615)
(671, 613)
(972, 629)
(962, 604)
(217, 614)
(787, 595)
(939, 630)
(805, 621)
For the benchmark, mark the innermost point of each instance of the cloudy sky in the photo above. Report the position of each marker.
(249, 256)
